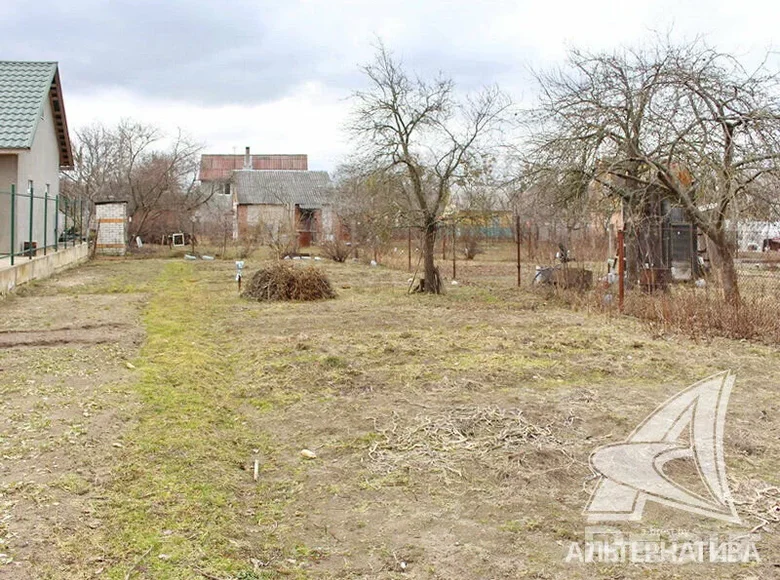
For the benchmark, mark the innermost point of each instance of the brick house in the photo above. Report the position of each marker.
(271, 195)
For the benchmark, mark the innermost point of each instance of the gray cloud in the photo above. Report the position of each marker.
(236, 52)
(200, 52)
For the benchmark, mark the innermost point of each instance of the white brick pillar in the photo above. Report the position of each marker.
(111, 219)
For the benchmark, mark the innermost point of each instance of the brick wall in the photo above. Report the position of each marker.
(112, 228)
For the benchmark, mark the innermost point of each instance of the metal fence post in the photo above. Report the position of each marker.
(517, 235)
(45, 218)
(409, 241)
(32, 217)
(454, 252)
(621, 268)
(81, 223)
(56, 224)
(13, 222)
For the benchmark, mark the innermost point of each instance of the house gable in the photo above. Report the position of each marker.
(28, 92)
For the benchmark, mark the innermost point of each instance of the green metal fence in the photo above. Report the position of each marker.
(32, 224)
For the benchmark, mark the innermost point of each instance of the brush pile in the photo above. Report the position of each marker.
(287, 282)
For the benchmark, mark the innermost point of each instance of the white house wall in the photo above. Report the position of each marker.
(41, 165)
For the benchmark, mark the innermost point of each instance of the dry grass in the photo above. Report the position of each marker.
(702, 314)
(281, 281)
(452, 432)
(468, 442)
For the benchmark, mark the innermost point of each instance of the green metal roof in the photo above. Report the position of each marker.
(24, 87)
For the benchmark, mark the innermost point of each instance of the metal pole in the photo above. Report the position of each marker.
(517, 235)
(454, 252)
(56, 223)
(45, 218)
(13, 222)
(409, 252)
(32, 209)
(621, 268)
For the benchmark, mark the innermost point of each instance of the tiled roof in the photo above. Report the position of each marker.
(24, 87)
(309, 189)
(220, 167)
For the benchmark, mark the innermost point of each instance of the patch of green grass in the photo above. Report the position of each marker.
(181, 491)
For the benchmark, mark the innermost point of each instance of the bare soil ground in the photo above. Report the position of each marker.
(452, 433)
(64, 394)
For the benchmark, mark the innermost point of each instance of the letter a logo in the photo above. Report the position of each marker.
(633, 472)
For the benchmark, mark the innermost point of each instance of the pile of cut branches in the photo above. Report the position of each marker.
(287, 282)
(472, 443)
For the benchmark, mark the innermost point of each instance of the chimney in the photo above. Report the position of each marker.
(247, 159)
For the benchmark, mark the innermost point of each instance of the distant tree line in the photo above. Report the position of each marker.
(155, 173)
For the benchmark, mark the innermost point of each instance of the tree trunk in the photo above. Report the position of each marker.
(431, 282)
(722, 258)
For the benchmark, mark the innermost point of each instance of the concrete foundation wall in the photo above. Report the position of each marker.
(41, 267)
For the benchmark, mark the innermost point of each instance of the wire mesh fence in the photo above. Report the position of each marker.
(34, 223)
(670, 278)
(674, 278)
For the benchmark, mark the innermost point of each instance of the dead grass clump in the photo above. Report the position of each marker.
(286, 282)
(471, 443)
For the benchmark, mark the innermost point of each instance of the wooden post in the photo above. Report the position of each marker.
(409, 250)
(517, 235)
(443, 247)
(621, 269)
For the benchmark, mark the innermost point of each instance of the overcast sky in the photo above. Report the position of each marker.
(277, 75)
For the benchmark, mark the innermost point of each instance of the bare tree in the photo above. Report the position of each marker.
(370, 205)
(418, 128)
(682, 123)
(132, 162)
